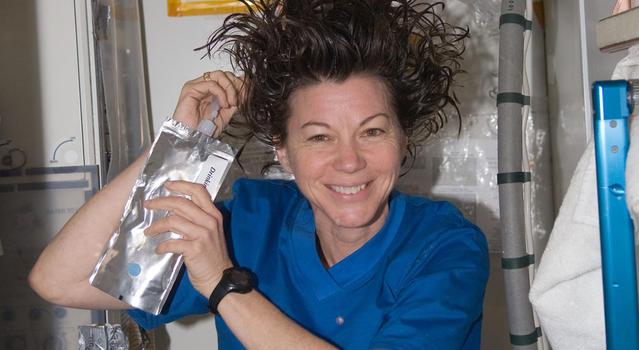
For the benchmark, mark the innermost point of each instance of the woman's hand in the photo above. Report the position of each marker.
(197, 97)
(200, 224)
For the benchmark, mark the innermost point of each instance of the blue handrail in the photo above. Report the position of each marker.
(612, 104)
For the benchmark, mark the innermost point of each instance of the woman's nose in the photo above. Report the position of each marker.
(349, 158)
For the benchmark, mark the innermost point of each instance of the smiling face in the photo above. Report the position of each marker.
(344, 146)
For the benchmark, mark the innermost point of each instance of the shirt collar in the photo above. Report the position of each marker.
(353, 270)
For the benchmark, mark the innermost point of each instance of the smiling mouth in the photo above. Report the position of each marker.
(350, 190)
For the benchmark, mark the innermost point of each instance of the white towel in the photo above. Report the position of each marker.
(567, 292)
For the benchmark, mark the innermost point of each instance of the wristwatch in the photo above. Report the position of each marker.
(234, 280)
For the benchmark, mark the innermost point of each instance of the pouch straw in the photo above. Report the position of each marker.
(130, 269)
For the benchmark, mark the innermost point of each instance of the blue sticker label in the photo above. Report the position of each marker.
(134, 269)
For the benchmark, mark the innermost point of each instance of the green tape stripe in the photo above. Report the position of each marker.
(512, 97)
(517, 263)
(515, 19)
(527, 339)
(513, 177)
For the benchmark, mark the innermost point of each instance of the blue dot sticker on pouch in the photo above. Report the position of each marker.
(134, 269)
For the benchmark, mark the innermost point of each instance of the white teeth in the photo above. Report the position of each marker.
(348, 190)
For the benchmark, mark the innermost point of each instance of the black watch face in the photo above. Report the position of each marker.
(240, 280)
(240, 277)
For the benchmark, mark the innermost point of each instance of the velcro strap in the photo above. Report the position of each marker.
(527, 339)
(514, 177)
(512, 97)
(515, 19)
(517, 263)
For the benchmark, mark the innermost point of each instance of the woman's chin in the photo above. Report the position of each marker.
(355, 219)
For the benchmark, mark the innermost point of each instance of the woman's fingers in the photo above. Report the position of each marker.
(233, 85)
(223, 119)
(177, 224)
(198, 193)
(197, 98)
(226, 83)
(185, 208)
(199, 209)
(184, 247)
(175, 246)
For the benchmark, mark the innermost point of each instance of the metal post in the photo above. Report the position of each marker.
(612, 103)
(511, 177)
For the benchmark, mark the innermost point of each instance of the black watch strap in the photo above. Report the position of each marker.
(234, 280)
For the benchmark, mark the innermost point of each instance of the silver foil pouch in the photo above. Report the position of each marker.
(130, 269)
(102, 337)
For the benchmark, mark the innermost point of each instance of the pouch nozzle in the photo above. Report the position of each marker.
(206, 127)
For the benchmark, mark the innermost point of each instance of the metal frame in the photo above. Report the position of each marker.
(613, 103)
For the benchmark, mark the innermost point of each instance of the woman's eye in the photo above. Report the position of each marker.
(374, 132)
(318, 138)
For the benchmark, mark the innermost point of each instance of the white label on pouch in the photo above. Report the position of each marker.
(212, 173)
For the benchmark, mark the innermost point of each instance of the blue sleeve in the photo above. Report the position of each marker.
(439, 306)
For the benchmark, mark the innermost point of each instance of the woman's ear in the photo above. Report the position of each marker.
(282, 157)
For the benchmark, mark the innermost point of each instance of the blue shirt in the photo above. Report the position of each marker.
(417, 284)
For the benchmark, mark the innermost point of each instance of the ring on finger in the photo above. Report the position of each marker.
(207, 76)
